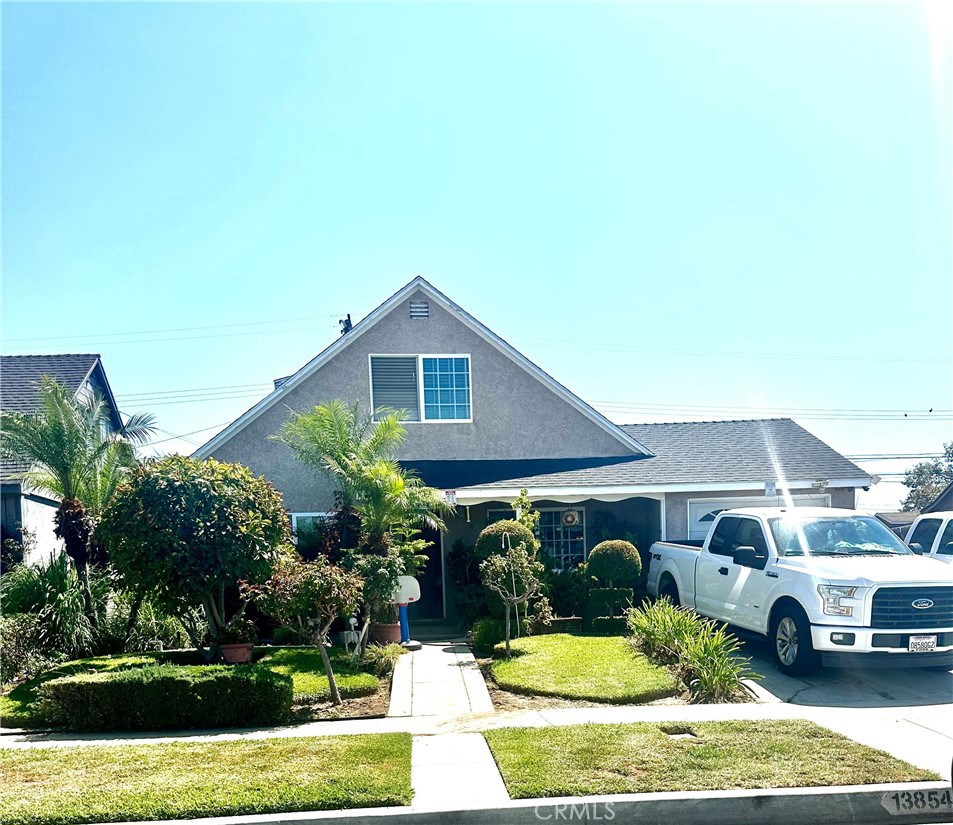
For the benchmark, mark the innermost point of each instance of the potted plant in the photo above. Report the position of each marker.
(385, 629)
(237, 641)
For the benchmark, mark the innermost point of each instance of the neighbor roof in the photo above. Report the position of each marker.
(20, 387)
(20, 377)
(687, 453)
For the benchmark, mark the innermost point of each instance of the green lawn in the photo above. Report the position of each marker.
(57, 786)
(594, 668)
(310, 683)
(643, 758)
(18, 707)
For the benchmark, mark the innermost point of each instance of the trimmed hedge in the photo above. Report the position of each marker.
(607, 601)
(166, 696)
(610, 626)
(491, 542)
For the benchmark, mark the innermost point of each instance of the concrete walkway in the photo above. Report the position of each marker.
(440, 679)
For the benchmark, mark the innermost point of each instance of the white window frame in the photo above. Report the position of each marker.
(420, 383)
(296, 516)
(582, 510)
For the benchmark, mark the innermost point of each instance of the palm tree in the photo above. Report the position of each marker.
(74, 455)
(355, 449)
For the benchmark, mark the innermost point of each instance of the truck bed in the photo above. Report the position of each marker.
(686, 544)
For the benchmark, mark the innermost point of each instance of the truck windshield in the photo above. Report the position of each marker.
(835, 536)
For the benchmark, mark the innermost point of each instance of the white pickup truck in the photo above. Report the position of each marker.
(932, 535)
(826, 586)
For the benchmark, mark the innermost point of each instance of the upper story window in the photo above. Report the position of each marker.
(426, 387)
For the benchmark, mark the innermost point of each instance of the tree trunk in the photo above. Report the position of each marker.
(507, 630)
(133, 617)
(74, 525)
(332, 682)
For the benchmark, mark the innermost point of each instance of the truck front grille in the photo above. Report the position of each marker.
(893, 607)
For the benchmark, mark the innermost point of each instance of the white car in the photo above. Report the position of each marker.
(825, 586)
(931, 535)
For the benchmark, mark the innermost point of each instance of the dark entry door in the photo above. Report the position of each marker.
(430, 578)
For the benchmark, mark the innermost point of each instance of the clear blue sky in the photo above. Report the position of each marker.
(680, 211)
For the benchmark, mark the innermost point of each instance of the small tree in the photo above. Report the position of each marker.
(184, 530)
(307, 596)
(514, 576)
(928, 479)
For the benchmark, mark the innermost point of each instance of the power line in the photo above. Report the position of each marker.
(562, 343)
(175, 329)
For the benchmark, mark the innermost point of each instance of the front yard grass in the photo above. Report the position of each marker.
(62, 786)
(592, 668)
(18, 708)
(645, 758)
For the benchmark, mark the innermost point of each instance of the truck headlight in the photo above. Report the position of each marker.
(831, 595)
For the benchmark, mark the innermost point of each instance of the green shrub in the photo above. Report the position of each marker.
(21, 648)
(490, 542)
(607, 601)
(609, 626)
(487, 633)
(51, 591)
(165, 697)
(615, 564)
(569, 590)
(382, 659)
(702, 653)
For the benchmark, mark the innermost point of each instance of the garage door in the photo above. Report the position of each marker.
(702, 511)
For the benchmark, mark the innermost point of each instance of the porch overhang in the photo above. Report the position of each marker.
(469, 496)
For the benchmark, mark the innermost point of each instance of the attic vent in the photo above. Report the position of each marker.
(419, 309)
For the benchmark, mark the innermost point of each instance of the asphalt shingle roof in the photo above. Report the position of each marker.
(700, 452)
(20, 387)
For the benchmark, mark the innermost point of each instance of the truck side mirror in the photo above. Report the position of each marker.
(917, 548)
(946, 550)
(749, 557)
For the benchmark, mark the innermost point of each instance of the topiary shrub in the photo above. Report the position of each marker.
(491, 542)
(487, 633)
(166, 697)
(615, 563)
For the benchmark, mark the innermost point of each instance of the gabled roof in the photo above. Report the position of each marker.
(20, 387)
(942, 502)
(690, 455)
(418, 283)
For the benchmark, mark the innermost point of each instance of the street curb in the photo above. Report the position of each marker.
(846, 805)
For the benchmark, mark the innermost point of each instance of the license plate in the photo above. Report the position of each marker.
(922, 644)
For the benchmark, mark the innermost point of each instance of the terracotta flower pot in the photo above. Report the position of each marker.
(237, 654)
(385, 634)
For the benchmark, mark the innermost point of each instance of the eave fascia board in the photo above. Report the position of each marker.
(477, 495)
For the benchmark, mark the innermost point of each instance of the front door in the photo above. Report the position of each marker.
(430, 579)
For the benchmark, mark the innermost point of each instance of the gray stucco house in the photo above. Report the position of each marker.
(23, 508)
(485, 421)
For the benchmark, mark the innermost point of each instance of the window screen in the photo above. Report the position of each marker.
(394, 384)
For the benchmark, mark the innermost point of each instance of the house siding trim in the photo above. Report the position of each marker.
(376, 315)
(479, 495)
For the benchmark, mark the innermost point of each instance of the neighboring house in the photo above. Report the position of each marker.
(23, 508)
(942, 502)
(898, 520)
(484, 421)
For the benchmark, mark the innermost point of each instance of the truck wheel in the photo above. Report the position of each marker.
(791, 643)
(670, 590)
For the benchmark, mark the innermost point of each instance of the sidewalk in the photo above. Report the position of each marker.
(440, 679)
